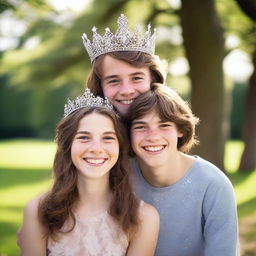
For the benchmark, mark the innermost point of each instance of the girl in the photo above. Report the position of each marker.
(91, 209)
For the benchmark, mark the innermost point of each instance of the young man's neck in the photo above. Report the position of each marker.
(168, 173)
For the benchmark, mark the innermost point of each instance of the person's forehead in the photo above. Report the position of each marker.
(147, 116)
(113, 66)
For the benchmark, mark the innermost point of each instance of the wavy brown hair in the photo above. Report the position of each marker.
(170, 107)
(156, 66)
(57, 206)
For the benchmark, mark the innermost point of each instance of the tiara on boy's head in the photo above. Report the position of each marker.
(122, 40)
(87, 99)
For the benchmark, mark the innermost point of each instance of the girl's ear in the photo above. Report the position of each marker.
(180, 134)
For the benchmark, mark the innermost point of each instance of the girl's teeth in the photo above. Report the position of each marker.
(154, 149)
(95, 161)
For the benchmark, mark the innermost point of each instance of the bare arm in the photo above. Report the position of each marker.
(145, 239)
(32, 234)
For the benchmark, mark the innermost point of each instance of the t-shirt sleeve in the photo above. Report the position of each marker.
(220, 222)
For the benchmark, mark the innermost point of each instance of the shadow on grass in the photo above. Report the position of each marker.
(8, 244)
(14, 176)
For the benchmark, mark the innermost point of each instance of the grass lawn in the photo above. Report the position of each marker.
(25, 171)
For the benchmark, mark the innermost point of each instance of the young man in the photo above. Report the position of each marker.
(123, 64)
(194, 198)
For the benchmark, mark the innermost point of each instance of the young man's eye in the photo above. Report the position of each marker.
(137, 78)
(138, 127)
(113, 81)
(165, 125)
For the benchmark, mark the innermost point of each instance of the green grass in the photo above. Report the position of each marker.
(25, 171)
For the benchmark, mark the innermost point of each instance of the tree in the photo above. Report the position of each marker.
(204, 46)
(248, 160)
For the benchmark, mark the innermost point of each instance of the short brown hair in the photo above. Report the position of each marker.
(170, 107)
(156, 66)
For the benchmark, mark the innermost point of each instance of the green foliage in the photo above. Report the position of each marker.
(14, 109)
(237, 23)
(31, 112)
(5, 5)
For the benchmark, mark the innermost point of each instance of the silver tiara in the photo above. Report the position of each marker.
(87, 99)
(122, 40)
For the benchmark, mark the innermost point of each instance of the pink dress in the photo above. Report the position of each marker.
(99, 235)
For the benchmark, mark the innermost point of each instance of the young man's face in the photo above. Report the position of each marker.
(153, 140)
(122, 83)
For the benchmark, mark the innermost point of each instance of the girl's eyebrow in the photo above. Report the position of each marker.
(82, 132)
(86, 132)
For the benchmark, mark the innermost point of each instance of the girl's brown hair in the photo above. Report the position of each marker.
(156, 66)
(170, 107)
(57, 206)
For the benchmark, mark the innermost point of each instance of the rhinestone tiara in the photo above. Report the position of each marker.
(122, 40)
(87, 99)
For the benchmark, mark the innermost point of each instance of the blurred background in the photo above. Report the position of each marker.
(210, 47)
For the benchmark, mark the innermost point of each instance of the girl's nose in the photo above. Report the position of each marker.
(96, 147)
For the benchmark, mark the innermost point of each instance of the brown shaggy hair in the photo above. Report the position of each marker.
(57, 205)
(170, 107)
(156, 66)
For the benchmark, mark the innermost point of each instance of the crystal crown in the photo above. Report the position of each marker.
(122, 40)
(87, 99)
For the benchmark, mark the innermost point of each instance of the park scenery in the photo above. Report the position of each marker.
(210, 50)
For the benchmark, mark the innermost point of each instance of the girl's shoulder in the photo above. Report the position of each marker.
(144, 241)
(32, 205)
(147, 212)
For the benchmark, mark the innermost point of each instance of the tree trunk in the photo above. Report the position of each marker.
(248, 161)
(204, 46)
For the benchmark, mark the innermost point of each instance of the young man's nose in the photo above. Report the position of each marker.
(126, 88)
(152, 134)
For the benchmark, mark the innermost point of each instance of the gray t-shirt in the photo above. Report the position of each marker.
(198, 214)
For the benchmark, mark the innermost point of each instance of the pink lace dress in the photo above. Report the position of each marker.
(94, 236)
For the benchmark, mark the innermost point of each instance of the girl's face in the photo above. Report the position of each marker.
(95, 148)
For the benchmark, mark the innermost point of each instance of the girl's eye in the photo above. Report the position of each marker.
(109, 138)
(83, 138)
